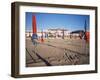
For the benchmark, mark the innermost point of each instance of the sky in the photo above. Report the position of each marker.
(46, 21)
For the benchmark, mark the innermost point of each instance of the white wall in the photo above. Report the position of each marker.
(5, 40)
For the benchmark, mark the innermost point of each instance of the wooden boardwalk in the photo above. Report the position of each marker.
(54, 52)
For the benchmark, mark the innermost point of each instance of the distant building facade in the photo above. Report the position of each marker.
(51, 33)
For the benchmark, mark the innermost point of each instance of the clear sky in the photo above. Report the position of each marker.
(46, 21)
